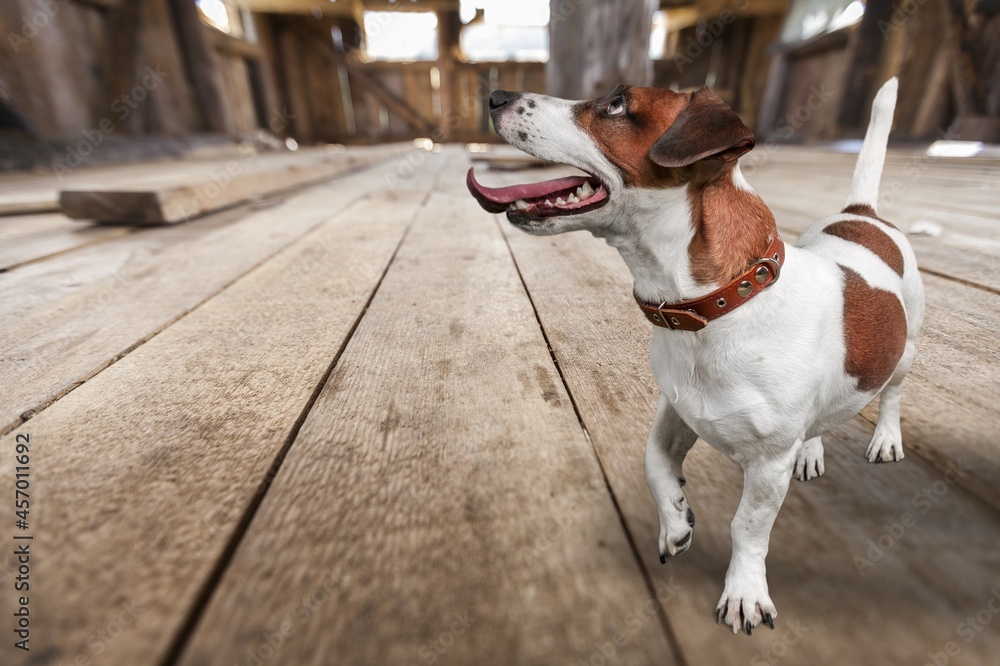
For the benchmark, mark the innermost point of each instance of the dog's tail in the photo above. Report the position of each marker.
(868, 172)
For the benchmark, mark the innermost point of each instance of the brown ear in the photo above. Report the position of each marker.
(705, 128)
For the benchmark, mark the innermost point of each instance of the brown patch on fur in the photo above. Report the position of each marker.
(864, 210)
(626, 139)
(733, 227)
(870, 236)
(874, 332)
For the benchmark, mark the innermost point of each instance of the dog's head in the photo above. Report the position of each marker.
(631, 139)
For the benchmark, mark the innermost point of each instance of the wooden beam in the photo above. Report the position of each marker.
(234, 46)
(102, 4)
(449, 29)
(967, 80)
(864, 52)
(597, 45)
(345, 7)
(202, 64)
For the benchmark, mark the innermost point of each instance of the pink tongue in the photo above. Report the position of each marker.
(508, 195)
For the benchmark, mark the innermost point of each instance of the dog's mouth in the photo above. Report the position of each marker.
(533, 201)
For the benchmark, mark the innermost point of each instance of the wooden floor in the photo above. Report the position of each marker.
(367, 423)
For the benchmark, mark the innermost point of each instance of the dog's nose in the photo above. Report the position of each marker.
(501, 98)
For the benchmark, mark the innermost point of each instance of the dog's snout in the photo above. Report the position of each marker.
(502, 98)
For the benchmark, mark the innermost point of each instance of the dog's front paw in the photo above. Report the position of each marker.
(745, 604)
(809, 462)
(676, 530)
(886, 445)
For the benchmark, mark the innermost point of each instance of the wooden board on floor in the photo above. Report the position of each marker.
(821, 595)
(151, 465)
(455, 509)
(184, 194)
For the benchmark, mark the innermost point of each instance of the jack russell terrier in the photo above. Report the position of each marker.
(757, 366)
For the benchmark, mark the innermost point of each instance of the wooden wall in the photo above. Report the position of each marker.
(128, 68)
(730, 55)
(98, 68)
(71, 66)
(822, 89)
(333, 96)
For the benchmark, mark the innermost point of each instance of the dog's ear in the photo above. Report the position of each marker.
(705, 128)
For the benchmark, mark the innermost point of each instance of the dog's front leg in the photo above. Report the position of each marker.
(745, 602)
(669, 441)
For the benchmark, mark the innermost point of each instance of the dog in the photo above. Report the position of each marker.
(757, 348)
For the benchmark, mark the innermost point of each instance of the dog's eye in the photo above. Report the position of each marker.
(616, 108)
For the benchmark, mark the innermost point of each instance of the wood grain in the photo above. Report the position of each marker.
(442, 474)
(73, 315)
(30, 238)
(150, 465)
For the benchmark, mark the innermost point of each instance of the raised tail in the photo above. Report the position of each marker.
(868, 172)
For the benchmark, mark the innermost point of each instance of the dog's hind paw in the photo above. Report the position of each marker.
(886, 446)
(743, 607)
(809, 463)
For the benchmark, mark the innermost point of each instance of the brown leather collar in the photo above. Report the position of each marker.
(695, 314)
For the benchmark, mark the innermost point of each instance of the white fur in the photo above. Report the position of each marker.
(868, 172)
(765, 381)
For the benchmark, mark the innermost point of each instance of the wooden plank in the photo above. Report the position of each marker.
(442, 473)
(58, 311)
(17, 205)
(150, 466)
(293, 78)
(184, 196)
(23, 193)
(814, 578)
(50, 235)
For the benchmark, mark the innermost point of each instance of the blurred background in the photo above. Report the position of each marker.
(163, 77)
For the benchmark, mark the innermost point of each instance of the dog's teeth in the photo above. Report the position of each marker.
(521, 204)
(587, 190)
(572, 199)
(511, 207)
(548, 203)
(560, 202)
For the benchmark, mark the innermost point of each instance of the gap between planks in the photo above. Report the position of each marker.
(176, 649)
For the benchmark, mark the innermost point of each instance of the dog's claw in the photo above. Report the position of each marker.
(748, 627)
(719, 614)
(663, 558)
(769, 620)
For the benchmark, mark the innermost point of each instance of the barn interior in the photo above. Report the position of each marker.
(290, 396)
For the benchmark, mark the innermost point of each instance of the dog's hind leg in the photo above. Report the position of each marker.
(887, 442)
(745, 602)
(668, 443)
(809, 463)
